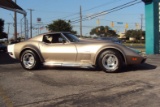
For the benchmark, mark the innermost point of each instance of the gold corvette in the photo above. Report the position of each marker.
(65, 49)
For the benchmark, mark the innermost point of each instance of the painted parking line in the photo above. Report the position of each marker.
(5, 98)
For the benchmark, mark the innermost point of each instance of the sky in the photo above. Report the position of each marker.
(51, 10)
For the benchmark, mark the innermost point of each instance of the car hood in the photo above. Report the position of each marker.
(94, 41)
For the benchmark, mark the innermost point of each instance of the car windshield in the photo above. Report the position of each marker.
(71, 37)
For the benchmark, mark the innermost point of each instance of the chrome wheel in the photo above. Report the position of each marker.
(110, 62)
(28, 60)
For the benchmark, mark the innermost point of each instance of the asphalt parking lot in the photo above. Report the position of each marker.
(135, 86)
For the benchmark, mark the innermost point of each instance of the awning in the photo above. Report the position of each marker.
(10, 5)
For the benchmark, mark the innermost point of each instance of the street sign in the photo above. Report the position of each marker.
(38, 19)
(119, 22)
(112, 24)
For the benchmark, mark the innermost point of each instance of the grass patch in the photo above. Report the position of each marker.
(134, 44)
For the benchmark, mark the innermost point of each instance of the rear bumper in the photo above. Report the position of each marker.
(10, 49)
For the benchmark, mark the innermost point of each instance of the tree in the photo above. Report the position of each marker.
(60, 25)
(1, 25)
(2, 34)
(135, 33)
(103, 31)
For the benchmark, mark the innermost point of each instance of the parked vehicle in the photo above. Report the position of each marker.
(3, 48)
(65, 49)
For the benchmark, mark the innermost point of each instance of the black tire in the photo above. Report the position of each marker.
(30, 60)
(110, 61)
(97, 68)
(5, 50)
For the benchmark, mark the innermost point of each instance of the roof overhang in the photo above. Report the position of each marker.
(10, 5)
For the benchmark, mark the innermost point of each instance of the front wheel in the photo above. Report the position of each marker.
(29, 60)
(110, 61)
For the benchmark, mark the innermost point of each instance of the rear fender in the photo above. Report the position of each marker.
(34, 49)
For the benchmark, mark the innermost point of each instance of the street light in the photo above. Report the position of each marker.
(21, 26)
(30, 22)
(15, 23)
(12, 17)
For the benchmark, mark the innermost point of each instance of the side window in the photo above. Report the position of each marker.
(53, 38)
(57, 38)
(47, 38)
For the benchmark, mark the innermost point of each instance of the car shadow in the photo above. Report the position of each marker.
(139, 67)
(89, 69)
(130, 68)
(6, 59)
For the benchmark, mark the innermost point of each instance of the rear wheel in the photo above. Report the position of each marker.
(110, 61)
(30, 60)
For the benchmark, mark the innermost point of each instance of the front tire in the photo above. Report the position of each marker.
(30, 60)
(110, 61)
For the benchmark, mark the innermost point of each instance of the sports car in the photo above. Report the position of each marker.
(65, 49)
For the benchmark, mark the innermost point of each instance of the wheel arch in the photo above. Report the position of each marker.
(36, 51)
(114, 49)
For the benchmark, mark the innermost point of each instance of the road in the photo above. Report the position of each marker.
(135, 86)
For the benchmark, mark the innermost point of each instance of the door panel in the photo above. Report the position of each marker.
(58, 52)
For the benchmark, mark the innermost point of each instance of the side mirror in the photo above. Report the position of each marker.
(61, 40)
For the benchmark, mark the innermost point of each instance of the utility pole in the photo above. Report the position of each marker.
(27, 27)
(30, 22)
(15, 23)
(8, 30)
(80, 21)
(141, 25)
(21, 27)
(141, 22)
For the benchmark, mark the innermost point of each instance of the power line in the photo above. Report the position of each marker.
(116, 10)
(108, 11)
(117, 21)
(95, 8)
(102, 5)
(74, 14)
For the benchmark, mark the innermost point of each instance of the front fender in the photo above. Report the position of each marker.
(107, 48)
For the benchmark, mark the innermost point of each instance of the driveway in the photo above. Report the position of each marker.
(135, 86)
